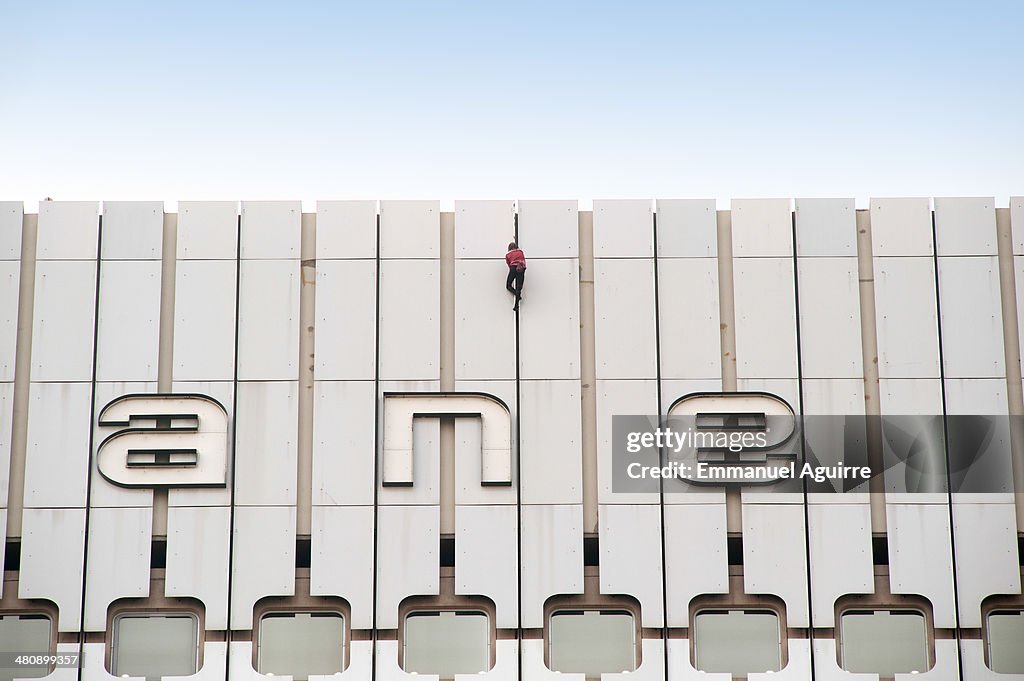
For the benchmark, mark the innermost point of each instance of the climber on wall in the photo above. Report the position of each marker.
(516, 262)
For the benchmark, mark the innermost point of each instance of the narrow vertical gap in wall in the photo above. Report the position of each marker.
(89, 456)
(447, 346)
(234, 437)
(945, 449)
(22, 376)
(727, 327)
(376, 444)
(588, 372)
(306, 349)
(803, 439)
(165, 352)
(661, 452)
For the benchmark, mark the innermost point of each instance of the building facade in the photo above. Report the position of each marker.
(239, 440)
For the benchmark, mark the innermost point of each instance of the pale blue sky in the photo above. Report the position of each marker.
(460, 99)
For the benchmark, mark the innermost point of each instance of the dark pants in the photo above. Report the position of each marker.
(515, 277)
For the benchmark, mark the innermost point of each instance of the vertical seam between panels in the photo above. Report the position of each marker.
(803, 441)
(519, 486)
(89, 455)
(376, 436)
(945, 451)
(234, 441)
(661, 462)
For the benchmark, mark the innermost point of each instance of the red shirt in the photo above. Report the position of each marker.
(515, 258)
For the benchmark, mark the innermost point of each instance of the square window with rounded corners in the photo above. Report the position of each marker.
(737, 641)
(591, 642)
(300, 644)
(883, 642)
(446, 642)
(26, 633)
(1004, 637)
(155, 645)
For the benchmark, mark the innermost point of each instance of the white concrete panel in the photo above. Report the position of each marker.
(94, 667)
(976, 396)
(550, 448)
(965, 226)
(64, 308)
(128, 340)
(946, 664)
(486, 558)
(410, 229)
(132, 230)
(762, 228)
(687, 228)
(6, 423)
(549, 322)
(826, 663)
(10, 282)
(118, 560)
(68, 230)
(673, 390)
(620, 398)
(798, 668)
(3, 539)
(623, 228)
(840, 556)
(552, 560)
(972, 318)
(268, 320)
(920, 557)
(52, 551)
(469, 470)
(830, 334)
(104, 492)
(346, 319)
(485, 325)
(986, 556)
(263, 559)
(207, 230)
(346, 229)
(12, 216)
(773, 553)
(688, 315)
(388, 669)
(765, 317)
(271, 229)
(833, 396)
(826, 227)
(204, 320)
(906, 318)
(56, 458)
(343, 442)
(972, 654)
(483, 229)
(241, 669)
(341, 560)
(786, 388)
(215, 663)
(410, 308)
(223, 392)
(901, 227)
(652, 664)
(407, 557)
(266, 444)
(680, 668)
(1017, 223)
(625, 318)
(630, 542)
(197, 559)
(549, 228)
(534, 668)
(915, 396)
(506, 664)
